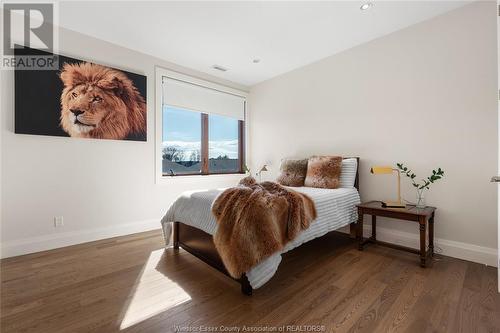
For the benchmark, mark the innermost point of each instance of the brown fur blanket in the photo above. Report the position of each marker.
(256, 221)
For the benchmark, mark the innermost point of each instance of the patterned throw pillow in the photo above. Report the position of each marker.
(293, 172)
(323, 171)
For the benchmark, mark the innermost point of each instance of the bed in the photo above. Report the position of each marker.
(189, 224)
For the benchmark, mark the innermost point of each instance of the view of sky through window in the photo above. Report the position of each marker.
(222, 136)
(182, 130)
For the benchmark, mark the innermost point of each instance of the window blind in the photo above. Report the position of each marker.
(193, 97)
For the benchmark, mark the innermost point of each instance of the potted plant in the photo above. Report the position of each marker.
(246, 170)
(423, 185)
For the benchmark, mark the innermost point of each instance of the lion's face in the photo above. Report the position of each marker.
(99, 102)
(85, 107)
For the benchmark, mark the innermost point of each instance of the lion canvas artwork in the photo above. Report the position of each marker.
(81, 100)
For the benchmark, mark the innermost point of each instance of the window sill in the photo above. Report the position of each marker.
(195, 178)
(203, 175)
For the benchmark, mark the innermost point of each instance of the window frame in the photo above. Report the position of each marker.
(160, 73)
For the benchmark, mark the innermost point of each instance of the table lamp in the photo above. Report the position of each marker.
(259, 173)
(384, 170)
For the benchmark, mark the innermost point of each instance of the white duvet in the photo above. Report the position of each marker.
(335, 208)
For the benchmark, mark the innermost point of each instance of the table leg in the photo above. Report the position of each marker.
(360, 229)
(431, 235)
(423, 254)
(374, 228)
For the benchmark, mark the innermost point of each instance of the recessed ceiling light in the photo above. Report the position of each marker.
(219, 68)
(366, 6)
(256, 61)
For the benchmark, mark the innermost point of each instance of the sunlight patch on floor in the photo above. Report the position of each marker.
(154, 293)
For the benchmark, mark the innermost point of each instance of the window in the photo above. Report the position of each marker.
(223, 144)
(181, 144)
(202, 129)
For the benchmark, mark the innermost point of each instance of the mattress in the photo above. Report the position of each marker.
(336, 208)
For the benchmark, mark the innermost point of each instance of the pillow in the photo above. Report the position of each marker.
(293, 172)
(348, 173)
(323, 171)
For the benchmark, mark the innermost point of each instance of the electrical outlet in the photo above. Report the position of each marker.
(58, 222)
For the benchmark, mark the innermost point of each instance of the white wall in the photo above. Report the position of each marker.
(103, 188)
(498, 171)
(425, 96)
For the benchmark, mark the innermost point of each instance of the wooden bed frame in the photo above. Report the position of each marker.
(201, 245)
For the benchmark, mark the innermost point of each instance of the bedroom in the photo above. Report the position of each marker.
(225, 90)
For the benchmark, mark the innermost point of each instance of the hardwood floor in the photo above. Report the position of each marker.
(132, 284)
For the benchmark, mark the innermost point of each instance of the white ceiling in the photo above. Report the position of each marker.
(284, 35)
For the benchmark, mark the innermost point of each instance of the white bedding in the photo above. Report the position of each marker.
(335, 208)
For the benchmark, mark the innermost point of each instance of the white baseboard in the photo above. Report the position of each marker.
(54, 241)
(474, 253)
(465, 251)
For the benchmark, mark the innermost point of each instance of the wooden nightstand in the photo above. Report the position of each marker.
(422, 216)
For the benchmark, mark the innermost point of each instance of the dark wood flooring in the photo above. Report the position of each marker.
(132, 284)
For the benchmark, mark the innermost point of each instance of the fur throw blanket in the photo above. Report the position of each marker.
(257, 220)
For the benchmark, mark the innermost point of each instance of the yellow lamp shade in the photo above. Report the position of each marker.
(380, 170)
